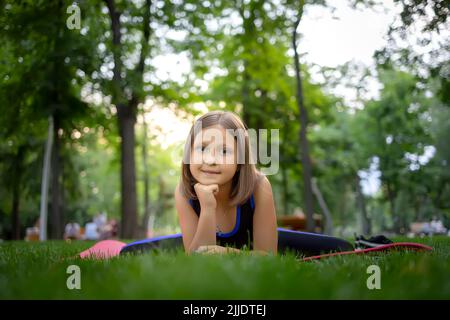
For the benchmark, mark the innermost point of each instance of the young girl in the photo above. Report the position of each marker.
(224, 204)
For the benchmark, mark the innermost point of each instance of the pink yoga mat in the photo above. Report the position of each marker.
(103, 250)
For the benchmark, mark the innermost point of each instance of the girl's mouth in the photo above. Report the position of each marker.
(210, 172)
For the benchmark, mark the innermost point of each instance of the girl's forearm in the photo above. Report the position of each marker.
(206, 230)
(214, 249)
(253, 252)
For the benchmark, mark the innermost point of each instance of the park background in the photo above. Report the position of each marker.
(115, 94)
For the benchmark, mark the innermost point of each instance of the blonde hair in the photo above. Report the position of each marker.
(246, 177)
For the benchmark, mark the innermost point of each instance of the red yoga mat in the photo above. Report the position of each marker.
(382, 248)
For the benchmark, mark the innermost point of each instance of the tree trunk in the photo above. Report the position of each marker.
(145, 221)
(283, 169)
(162, 196)
(328, 229)
(15, 218)
(15, 215)
(127, 120)
(391, 199)
(304, 147)
(260, 123)
(245, 98)
(126, 113)
(365, 222)
(284, 184)
(55, 217)
(249, 33)
(44, 184)
(55, 221)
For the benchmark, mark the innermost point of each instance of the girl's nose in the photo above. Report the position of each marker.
(209, 157)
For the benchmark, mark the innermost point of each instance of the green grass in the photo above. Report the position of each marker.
(38, 271)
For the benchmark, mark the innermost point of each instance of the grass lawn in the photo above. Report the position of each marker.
(38, 271)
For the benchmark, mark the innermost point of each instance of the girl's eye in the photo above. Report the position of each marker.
(202, 149)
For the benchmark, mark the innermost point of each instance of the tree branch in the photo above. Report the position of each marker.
(117, 50)
(145, 48)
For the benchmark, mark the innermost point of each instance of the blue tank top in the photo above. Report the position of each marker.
(242, 234)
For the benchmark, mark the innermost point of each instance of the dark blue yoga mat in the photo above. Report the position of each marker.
(296, 242)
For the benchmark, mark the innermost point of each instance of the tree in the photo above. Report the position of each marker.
(304, 146)
(40, 72)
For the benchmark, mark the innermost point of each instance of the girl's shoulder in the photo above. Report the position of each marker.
(262, 183)
(263, 188)
(179, 195)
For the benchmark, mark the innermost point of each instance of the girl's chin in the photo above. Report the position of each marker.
(207, 180)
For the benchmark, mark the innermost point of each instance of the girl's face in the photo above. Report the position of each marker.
(213, 156)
